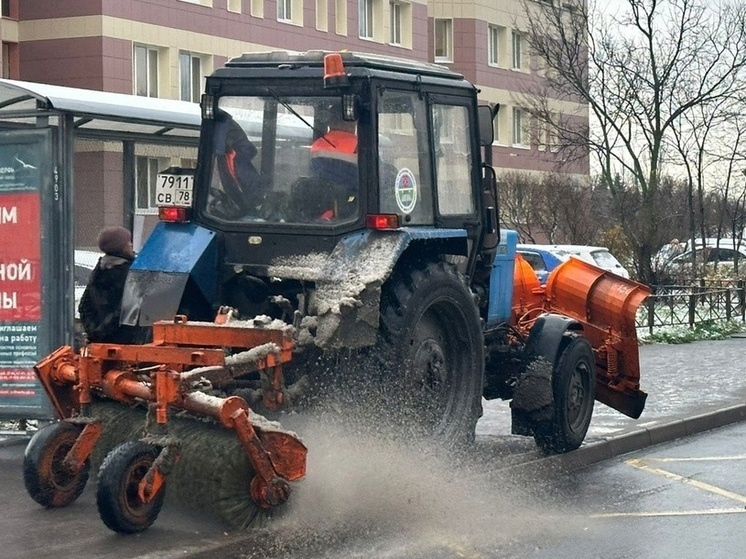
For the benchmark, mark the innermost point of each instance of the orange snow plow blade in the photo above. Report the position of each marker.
(606, 305)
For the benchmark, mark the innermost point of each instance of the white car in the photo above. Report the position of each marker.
(85, 262)
(723, 258)
(598, 256)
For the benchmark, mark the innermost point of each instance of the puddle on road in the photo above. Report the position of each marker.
(369, 495)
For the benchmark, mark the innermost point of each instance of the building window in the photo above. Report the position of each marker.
(493, 47)
(517, 56)
(365, 18)
(322, 13)
(397, 15)
(257, 8)
(146, 71)
(190, 76)
(9, 9)
(520, 127)
(340, 17)
(284, 10)
(146, 175)
(443, 40)
(6, 61)
(234, 6)
(10, 61)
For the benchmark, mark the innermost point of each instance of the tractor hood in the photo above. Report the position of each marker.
(348, 280)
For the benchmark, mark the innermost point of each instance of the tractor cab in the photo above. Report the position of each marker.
(306, 157)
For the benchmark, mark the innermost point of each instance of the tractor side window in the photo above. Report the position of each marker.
(453, 161)
(405, 184)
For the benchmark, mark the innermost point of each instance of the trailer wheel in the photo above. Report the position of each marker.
(573, 385)
(118, 503)
(46, 479)
(432, 352)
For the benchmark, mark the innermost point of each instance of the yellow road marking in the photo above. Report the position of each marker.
(702, 459)
(640, 465)
(669, 513)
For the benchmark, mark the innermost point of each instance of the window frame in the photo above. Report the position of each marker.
(517, 50)
(448, 38)
(195, 82)
(520, 128)
(493, 44)
(366, 19)
(152, 54)
(154, 165)
(396, 23)
(286, 7)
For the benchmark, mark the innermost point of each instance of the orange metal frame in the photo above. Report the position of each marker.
(153, 373)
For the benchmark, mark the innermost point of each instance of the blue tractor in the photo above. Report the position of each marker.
(350, 198)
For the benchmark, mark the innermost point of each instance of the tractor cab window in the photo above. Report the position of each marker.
(283, 160)
(453, 159)
(405, 184)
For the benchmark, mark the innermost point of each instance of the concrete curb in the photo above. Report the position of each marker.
(629, 441)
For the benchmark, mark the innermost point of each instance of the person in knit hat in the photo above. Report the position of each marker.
(101, 303)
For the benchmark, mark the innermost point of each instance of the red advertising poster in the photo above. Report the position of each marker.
(21, 317)
(20, 257)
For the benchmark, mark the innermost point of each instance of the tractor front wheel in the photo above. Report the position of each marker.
(573, 386)
(46, 478)
(119, 503)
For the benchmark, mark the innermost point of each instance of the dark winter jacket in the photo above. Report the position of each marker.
(101, 303)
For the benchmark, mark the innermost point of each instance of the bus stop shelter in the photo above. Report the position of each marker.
(70, 163)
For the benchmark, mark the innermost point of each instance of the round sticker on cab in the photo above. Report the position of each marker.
(405, 190)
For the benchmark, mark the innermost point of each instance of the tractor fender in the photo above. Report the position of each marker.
(533, 396)
(174, 254)
(347, 295)
(546, 334)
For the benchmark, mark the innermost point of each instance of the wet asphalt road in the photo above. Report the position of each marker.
(363, 498)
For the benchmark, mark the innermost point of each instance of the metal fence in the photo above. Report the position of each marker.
(689, 305)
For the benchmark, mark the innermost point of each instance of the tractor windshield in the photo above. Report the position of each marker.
(283, 160)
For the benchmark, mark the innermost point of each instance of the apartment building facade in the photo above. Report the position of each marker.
(164, 48)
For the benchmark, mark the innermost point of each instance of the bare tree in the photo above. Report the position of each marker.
(638, 70)
(546, 209)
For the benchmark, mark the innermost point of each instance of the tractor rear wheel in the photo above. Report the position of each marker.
(433, 352)
(47, 480)
(119, 504)
(573, 386)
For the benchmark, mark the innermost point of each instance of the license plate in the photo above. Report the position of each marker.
(174, 190)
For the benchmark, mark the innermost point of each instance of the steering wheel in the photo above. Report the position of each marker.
(221, 204)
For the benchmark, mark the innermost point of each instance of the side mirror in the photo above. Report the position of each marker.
(486, 115)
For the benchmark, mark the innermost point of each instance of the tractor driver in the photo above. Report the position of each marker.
(242, 183)
(334, 161)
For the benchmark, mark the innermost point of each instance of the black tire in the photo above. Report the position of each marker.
(118, 503)
(46, 480)
(574, 388)
(433, 352)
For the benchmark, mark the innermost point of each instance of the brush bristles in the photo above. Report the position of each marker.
(212, 475)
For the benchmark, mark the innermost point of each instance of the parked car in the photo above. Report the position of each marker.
(596, 255)
(721, 258)
(542, 260)
(85, 262)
